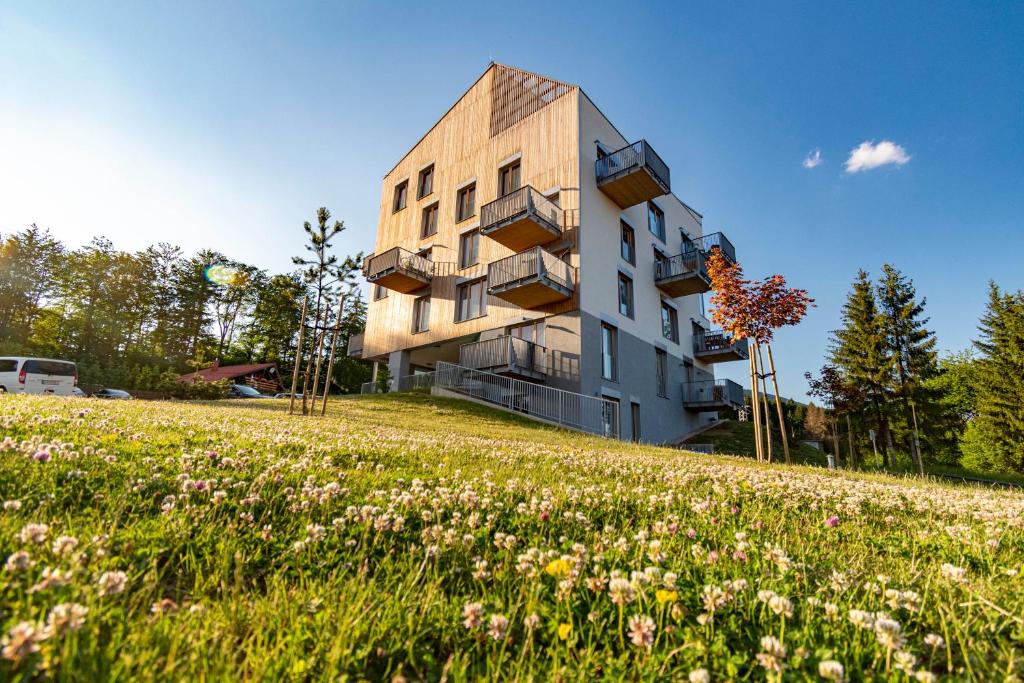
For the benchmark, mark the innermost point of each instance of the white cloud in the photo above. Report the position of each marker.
(868, 155)
(813, 159)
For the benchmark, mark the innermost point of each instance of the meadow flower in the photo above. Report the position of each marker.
(49, 579)
(67, 616)
(862, 619)
(558, 568)
(497, 627)
(904, 661)
(19, 561)
(564, 631)
(12, 505)
(889, 633)
(832, 522)
(641, 630)
(64, 545)
(953, 573)
(923, 676)
(699, 676)
(20, 642)
(934, 640)
(831, 670)
(772, 654)
(663, 596)
(621, 591)
(112, 583)
(164, 606)
(34, 533)
(471, 614)
(781, 606)
(531, 621)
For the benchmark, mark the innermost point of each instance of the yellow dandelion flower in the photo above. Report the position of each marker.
(664, 596)
(564, 631)
(558, 568)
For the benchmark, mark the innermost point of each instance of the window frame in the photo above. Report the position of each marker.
(433, 210)
(654, 209)
(418, 305)
(377, 289)
(516, 166)
(481, 302)
(428, 175)
(473, 235)
(624, 230)
(624, 279)
(460, 193)
(401, 196)
(611, 353)
(661, 372)
(673, 322)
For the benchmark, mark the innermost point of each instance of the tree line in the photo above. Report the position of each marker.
(136, 320)
(894, 402)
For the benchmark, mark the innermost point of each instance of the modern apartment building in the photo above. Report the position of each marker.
(524, 235)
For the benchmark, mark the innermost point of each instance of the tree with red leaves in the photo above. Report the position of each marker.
(753, 310)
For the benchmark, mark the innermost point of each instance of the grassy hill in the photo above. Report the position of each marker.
(737, 438)
(409, 538)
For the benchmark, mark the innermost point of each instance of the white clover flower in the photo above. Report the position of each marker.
(20, 642)
(641, 630)
(17, 562)
(954, 573)
(934, 640)
(831, 670)
(497, 627)
(621, 591)
(699, 676)
(112, 583)
(34, 533)
(772, 654)
(67, 616)
(471, 614)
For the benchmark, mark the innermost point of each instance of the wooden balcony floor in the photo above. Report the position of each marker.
(532, 293)
(522, 232)
(401, 281)
(683, 284)
(631, 187)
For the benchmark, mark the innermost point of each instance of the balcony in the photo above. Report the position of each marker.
(712, 395)
(505, 355)
(520, 220)
(399, 270)
(719, 347)
(530, 279)
(683, 274)
(707, 243)
(633, 175)
(355, 345)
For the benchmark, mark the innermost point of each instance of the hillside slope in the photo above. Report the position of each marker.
(737, 438)
(406, 538)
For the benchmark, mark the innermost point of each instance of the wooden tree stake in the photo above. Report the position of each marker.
(298, 355)
(778, 405)
(330, 363)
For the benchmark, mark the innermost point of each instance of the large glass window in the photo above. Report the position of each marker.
(628, 243)
(471, 300)
(656, 221)
(421, 314)
(669, 322)
(609, 352)
(661, 372)
(466, 203)
(469, 248)
(625, 296)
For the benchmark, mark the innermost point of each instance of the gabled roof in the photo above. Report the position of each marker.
(216, 373)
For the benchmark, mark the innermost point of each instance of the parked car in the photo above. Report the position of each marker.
(78, 393)
(114, 394)
(243, 391)
(21, 375)
(288, 395)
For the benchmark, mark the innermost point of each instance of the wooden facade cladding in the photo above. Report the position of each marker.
(467, 147)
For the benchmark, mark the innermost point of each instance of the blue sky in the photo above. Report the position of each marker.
(226, 125)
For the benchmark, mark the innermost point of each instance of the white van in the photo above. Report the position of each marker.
(19, 375)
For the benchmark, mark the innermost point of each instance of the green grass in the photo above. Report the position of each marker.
(737, 438)
(255, 545)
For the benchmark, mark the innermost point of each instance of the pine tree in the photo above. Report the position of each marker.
(911, 344)
(1000, 377)
(860, 351)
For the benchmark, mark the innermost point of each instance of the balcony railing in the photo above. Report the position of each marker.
(505, 354)
(712, 394)
(355, 345)
(400, 270)
(682, 274)
(717, 346)
(520, 220)
(633, 174)
(715, 240)
(530, 278)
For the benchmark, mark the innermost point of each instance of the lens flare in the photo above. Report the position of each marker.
(220, 274)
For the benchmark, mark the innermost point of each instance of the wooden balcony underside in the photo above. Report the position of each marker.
(632, 186)
(402, 281)
(683, 284)
(723, 355)
(711, 405)
(522, 231)
(531, 293)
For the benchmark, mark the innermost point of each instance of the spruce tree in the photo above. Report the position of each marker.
(1000, 377)
(860, 350)
(911, 345)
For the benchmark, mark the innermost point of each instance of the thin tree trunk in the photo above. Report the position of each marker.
(835, 438)
(330, 363)
(319, 359)
(309, 363)
(849, 438)
(298, 355)
(755, 413)
(764, 400)
(778, 405)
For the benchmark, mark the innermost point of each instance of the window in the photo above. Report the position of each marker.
(628, 243)
(508, 179)
(625, 295)
(555, 198)
(610, 415)
(669, 322)
(466, 203)
(379, 292)
(634, 415)
(469, 248)
(8, 365)
(429, 223)
(661, 265)
(661, 372)
(656, 221)
(472, 300)
(609, 352)
(401, 195)
(421, 314)
(532, 332)
(426, 184)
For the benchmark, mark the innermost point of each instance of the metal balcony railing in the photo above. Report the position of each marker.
(714, 393)
(565, 408)
(528, 265)
(510, 353)
(718, 341)
(715, 240)
(525, 201)
(400, 260)
(693, 262)
(630, 158)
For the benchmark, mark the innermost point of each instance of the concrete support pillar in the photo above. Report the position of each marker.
(398, 366)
